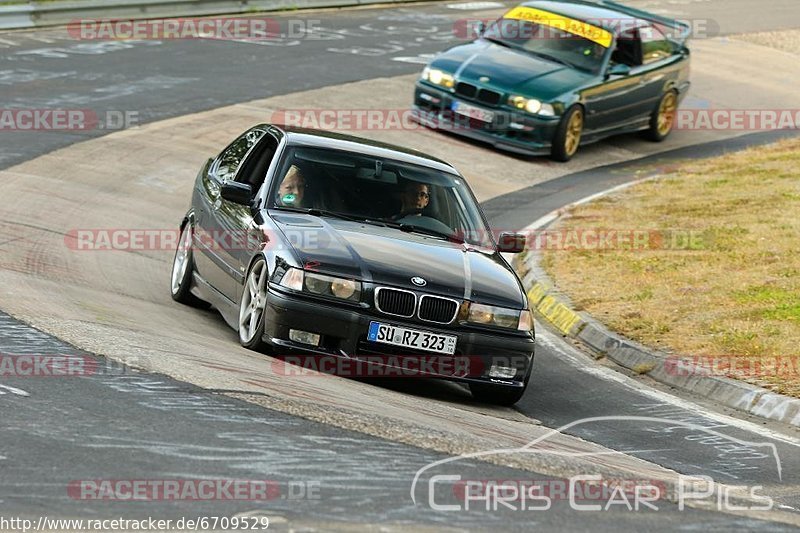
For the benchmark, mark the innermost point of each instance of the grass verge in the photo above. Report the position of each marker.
(718, 276)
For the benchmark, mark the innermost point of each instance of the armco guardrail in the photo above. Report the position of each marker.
(34, 14)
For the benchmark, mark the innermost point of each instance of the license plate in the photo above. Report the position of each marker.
(411, 338)
(473, 112)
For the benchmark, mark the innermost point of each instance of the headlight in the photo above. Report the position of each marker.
(438, 77)
(321, 285)
(532, 106)
(292, 279)
(346, 289)
(317, 284)
(494, 316)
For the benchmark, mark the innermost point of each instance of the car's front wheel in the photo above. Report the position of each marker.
(182, 268)
(663, 118)
(568, 135)
(252, 307)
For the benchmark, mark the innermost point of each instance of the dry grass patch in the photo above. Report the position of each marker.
(731, 292)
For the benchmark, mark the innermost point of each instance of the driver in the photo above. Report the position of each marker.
(292, 188)
(414, 197)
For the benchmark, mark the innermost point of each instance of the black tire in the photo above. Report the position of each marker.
(252, 338)
(561, 150)
(500, 394)
(658, 131)
(181, 280)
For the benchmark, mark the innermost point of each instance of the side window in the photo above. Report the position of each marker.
(628, 50)
(230, 159)
(254, 169)
(655, 46)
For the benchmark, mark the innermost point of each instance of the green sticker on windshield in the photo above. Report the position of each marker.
(288, 198)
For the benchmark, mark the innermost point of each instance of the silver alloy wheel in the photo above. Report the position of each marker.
(181, 261)
(254, 301)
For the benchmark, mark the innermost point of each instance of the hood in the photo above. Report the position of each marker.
(390, 257)
(510, 71)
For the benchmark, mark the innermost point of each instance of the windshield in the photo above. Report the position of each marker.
(384, 192)
(551, 41)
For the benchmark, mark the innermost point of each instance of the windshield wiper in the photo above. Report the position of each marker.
(412, 228)
(548, 57)
(342, 216)
(320, 213)
(408, 228)
(554, 59)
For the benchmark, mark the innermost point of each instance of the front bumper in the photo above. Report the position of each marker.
(512, 131)
(343, 332)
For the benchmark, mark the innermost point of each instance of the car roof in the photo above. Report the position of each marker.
(588, 10)
(297, 136)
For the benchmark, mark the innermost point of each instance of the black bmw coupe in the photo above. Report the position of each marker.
(329, 245)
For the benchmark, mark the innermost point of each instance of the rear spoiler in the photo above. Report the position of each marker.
(682, 30)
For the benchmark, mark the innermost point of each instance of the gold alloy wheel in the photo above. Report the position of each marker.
(666, 113)
(574, 131)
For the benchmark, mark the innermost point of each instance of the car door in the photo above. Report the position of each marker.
(618, 100)
(660, 58)
(215, 224)
(244, 222)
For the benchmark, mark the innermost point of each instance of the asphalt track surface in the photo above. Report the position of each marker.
(145, 426)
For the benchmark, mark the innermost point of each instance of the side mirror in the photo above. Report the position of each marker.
(511, 243)
(619, 69)
(238, 193)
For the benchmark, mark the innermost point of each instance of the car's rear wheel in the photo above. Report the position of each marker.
(499, 394)
(182, 268)
(663, 118)
(252, 307)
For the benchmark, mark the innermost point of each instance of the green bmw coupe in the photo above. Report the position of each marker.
(549, 76)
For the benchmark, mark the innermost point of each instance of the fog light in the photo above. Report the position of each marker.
(429, 98)
(304, 337)
(502, 372)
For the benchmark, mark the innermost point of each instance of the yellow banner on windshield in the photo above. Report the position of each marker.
(575, 27)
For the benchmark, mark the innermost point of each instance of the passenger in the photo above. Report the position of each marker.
(292, 189)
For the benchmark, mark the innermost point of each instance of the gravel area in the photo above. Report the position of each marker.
(785, 40)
